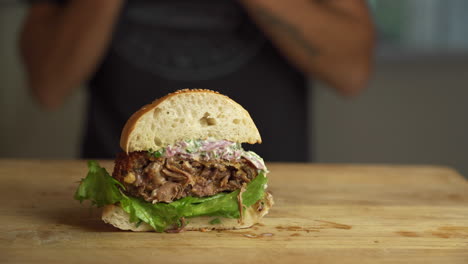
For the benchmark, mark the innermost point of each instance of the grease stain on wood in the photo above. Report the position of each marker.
(407, 233)
(335, 225)
(297, 228)
(455, 197)
(441, 232)
(323, 225)
(290, 228)
(451, 232)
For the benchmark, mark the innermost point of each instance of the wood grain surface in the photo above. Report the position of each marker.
(323, 214)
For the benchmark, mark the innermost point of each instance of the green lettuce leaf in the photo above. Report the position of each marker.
(160, 216)
(102, 189)
(98, 187)
(223, 204)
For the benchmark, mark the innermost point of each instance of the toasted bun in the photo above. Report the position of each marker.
(188, 114)
(117, 217)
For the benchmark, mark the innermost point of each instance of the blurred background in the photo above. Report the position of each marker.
(414, 111)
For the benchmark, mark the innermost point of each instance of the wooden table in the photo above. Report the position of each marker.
(323, 214)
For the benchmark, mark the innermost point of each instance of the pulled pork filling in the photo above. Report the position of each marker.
(165, 179)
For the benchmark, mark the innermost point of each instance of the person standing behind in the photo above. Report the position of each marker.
(258, 52)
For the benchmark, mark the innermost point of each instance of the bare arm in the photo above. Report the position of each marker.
(61, 46)
(330, 39)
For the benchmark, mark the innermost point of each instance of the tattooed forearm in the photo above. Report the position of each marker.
(293, 32)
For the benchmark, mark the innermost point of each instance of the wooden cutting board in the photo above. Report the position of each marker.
(323, 214)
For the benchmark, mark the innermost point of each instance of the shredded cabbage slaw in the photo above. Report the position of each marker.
(210, 149)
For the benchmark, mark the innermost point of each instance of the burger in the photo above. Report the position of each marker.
(183, 168)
